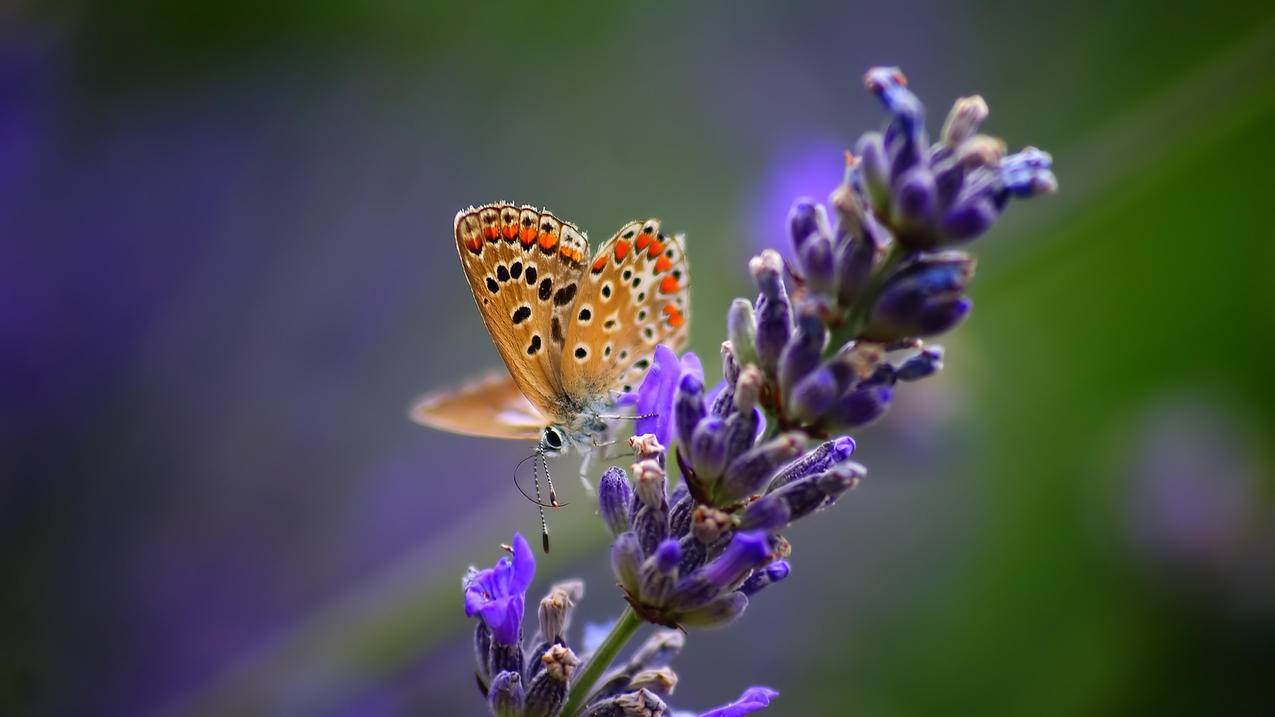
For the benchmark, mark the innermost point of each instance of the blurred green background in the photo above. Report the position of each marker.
(227, 268)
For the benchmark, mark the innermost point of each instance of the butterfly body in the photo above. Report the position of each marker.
(574, 330)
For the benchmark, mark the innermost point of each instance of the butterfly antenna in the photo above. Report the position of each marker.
(530, 499)
(544, 524)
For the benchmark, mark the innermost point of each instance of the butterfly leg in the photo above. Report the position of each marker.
(586, 467)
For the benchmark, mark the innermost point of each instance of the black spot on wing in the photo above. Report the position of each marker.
(565, 295)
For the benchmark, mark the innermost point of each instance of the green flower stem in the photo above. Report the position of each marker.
(582, 686)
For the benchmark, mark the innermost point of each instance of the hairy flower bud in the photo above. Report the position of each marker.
(505, 696)
(774, 316)
(556, 608)
(614, 498)
(748, 473)
(929, 361)
(804, 350)
(822, 458)
(688, 407)
(741, 330)
(762, 577)
(963, 121)
(626, 561)
(548, 688)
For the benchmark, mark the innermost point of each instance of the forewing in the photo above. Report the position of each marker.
(524, 268)
(493, 407)
(634, 297)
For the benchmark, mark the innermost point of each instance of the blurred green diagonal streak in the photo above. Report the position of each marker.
(1163, 287)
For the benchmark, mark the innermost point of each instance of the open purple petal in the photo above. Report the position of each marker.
(752, 700)
(524, 565)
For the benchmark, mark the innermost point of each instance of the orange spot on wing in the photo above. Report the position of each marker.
(475, 245)
(527, 236)
(642, 241)
(511, 231)
(548, 240)
(621, 250)
(668, 284)
(662, 265)
(656, 248)
(491, 232)
(675, 317)
(599, 265)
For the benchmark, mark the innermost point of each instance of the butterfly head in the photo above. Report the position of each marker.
(554, 441)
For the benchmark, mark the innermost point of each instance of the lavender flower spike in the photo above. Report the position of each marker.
(498, 594)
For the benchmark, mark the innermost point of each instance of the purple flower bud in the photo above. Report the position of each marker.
(1027, 173)
(807, 495)
(804, 350)
(915, 198)
(694, 553)
(875, 170)
(688, 407)
(482, 649)
(751, 471)
(774, 315)
(548, 688)
(840, 479)
(626, 561)
(741, 329)
(860, 407)
(763, 577)
(891, 87)
(614, 498)
(708, 450)
(818, 264)
(766, 513)
(916, 301)
(720, 612)
(753, 700)
(940, 318)
(825, 456)
(807, 219)
(506, 656)
(651, 526)
(746, 551)
(813, 395)
(968, 219)
(659, 572)
(679, 515)
(505, 696)
(920, 365)
(855, 259)
(741, 431)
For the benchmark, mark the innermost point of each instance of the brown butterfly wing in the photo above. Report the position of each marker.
(525, 268)
(492, 407)
(635, 296)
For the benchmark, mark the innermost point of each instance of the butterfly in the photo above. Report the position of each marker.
(574, 331)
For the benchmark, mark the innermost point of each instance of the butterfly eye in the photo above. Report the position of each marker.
(552, 439)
